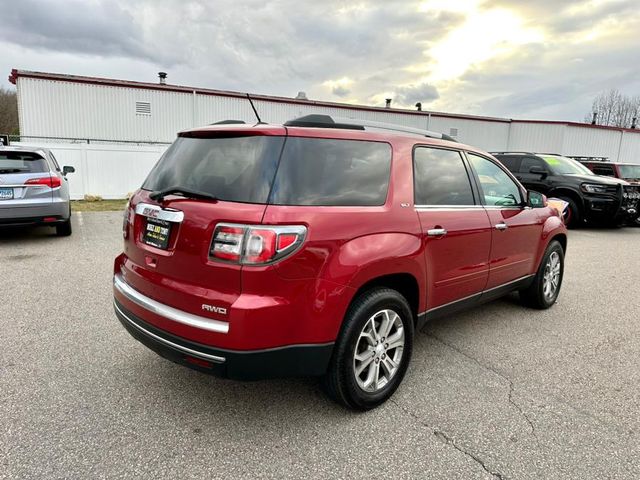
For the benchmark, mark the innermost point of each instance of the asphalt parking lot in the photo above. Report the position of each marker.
(497, 392)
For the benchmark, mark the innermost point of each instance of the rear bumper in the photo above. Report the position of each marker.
(288, 361)
(33, 213)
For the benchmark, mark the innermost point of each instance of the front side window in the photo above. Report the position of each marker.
(497, 187)
(440, 178)
(330, 172)
(630, 172)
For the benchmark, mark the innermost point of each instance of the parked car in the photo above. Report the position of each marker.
(320, 247)
(33, 189)
(629, 172)
(591, 197)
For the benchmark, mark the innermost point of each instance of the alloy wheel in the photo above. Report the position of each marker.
(378, 351)
(551, 278)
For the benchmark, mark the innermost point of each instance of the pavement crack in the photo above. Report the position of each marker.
(446, 438)
(495, 372)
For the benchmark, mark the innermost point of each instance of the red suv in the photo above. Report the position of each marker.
(319, 248)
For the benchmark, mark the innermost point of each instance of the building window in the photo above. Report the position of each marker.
(143, 108)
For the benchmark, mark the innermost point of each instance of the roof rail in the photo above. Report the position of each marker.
(582, 158)
(229, 122)
(326, 121)
(525, 153)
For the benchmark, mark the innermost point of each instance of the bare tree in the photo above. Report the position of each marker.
(8, 111)
(615, 109)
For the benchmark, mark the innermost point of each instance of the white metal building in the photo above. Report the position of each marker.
(100, 110)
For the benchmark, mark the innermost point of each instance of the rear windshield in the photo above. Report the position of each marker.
(246, 169)
(22, 162)
(236, 169)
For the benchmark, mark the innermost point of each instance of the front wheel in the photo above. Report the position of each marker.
(544, 290)
(572, 215)
(373, 351)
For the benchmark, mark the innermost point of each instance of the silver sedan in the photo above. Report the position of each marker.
(33, 189)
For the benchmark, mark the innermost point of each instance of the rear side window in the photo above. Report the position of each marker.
(236, 169)
(440, 178)
(529, 162)
(606, 170)
(318, 171)
(511, 162)
(22, 162)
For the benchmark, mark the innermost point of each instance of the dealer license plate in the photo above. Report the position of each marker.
(157, 233)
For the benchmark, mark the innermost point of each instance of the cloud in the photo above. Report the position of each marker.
(391, 49)
(340, 91)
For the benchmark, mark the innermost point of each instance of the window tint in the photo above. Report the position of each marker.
(440, 178)
(604, 170)
(236, 169)
(511, 162)
(528, 162)
(22, 162)
(497, 186)
(317, 171)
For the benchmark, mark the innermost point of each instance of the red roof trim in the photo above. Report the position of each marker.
(15, 74)
(578, 124)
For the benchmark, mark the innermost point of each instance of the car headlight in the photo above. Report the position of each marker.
(593, 188)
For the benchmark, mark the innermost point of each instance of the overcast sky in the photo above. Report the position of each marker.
(522, 59)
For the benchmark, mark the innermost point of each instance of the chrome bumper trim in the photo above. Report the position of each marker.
(164, 341)
(166, 311)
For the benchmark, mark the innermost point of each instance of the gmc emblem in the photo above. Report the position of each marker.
(150, 212)
(214, 309)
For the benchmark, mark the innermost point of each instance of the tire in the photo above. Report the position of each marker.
(64, 229)
(573, 214)
(341, 382)
(537, 294)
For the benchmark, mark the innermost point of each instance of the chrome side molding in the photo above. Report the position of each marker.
(166, 311)
(168, 343)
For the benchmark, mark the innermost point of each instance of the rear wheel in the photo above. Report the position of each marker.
(64, 229)
(373, 351)
(572, 214)
(544, 290)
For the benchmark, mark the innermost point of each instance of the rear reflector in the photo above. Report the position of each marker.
(255, 244)
(197, 361)
(50, 219)
(51, 181)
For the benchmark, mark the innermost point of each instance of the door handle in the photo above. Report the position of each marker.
(436, 232)
(502, 226)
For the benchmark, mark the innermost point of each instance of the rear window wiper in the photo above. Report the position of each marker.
(184, 192)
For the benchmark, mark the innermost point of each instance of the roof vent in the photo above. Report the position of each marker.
(419, 106)
(301, 96)
(453, 132)
(143, 108)
(387, 103)
(163, 78)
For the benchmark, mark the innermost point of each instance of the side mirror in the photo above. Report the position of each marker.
(538, 171)
(536, 200)
(67, 169)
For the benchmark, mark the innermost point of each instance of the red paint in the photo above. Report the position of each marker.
(302, 299)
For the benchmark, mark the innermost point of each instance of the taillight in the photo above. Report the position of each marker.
(51, 181)
(255, 244)
(126, 220)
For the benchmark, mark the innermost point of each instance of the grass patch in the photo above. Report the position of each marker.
(99, 206)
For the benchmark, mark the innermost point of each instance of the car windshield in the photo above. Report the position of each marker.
(630, 172)
(565, 166)
(22, 162)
